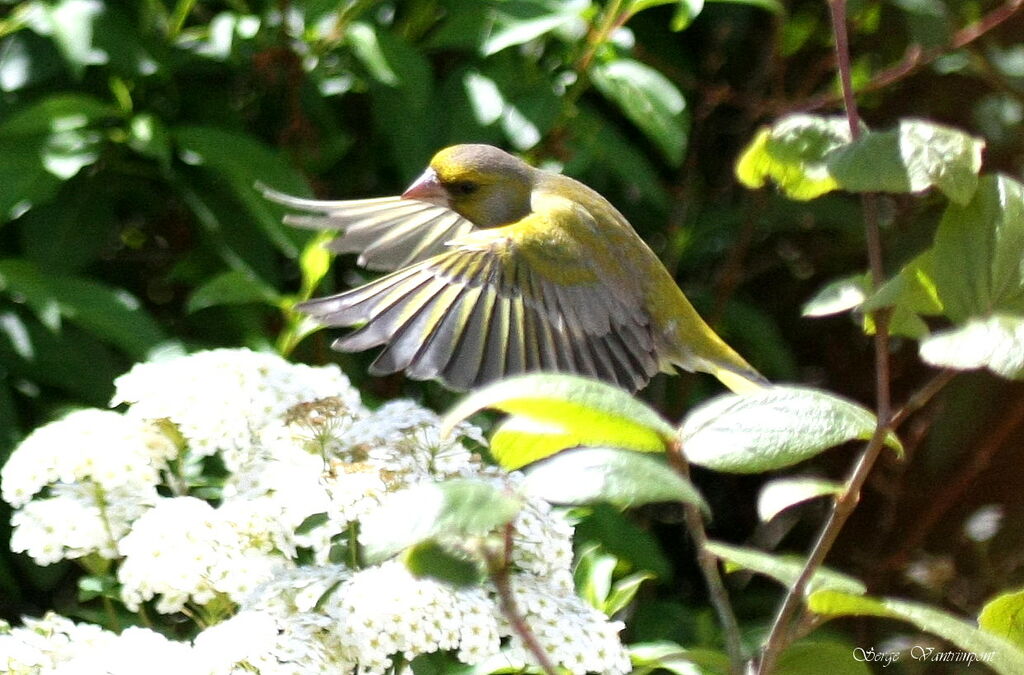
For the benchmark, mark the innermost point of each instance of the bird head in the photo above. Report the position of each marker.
(483, 184)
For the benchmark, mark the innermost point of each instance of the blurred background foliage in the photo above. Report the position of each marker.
(132, 133)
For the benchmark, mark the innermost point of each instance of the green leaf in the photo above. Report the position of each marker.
(686, 12)
(978, 251)
(241, 161)
(365, 45)
(431, 560)
(793, 153)
(555, 412)
(460, 507)
(45, 144)
(913, 157)
(772, 428)
(649, 100)
(778, 495)
(997, 653)
(995, 342)
(619, 535)
(111, 314)
(234, 287)
(623, 592)
(837, 296)
(515, 22)
(1004, 616)
(592, 575)
(783, 569)
(621, 477)
(806, 657)
(651, 657)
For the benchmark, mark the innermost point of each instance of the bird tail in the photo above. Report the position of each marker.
(739, 380)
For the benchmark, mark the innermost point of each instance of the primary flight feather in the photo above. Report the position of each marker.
(498, 268)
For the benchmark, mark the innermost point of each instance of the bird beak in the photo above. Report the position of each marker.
(428, 188)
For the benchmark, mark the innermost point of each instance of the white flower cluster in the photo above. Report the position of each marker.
(229, 490)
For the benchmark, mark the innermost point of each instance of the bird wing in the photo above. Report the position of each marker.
(497, 302)
(388, 233)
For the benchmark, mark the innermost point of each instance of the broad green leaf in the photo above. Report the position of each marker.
(807, 657)
(995, 342)
(147, 135)
(978, 251)
(430, 559)
(111, 314)
(365, 45)
(913, 157)
(484, 97)
(617, 534)
(623, 591)
(911, 294)
(621, 477)
(234, 287)
(778, 495)
(1004, 616)
(72, 23)
(837, 296)
(515, 22)
(686, 12)
(649, 100)
(555, 412)
(242, 161)
(592, 575)
(772, 428)
(656, 657)
(783, 569)
(460, 507)
(45, 144)
(999, 654)
(793, 154)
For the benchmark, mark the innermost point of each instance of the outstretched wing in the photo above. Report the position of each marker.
(490, 307)
(388, 233)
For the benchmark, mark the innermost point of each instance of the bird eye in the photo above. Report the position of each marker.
(464, 187)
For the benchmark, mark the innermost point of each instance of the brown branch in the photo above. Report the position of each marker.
(915, 58)
(709, 566)
(497, 566)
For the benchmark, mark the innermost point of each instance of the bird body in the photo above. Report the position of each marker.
(501, 268)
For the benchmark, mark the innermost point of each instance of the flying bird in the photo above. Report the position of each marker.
(498, 268)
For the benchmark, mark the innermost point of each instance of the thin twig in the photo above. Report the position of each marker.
(916, 57)
(497, 566)
(709, 567)
(780, 635)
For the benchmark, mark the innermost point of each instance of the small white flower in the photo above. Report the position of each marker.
(99, 446)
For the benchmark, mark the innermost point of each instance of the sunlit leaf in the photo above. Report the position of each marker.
(1004, 616)
(656, 657)
(793, 154)
(554, 412)
(837, 296)
(783, 569)
(649, 100)
(778, 495)
(978, 251)
(995, 342)
(620, 477)
(234, 287)
(460, 507)
(999, 654)
(515, 22)
(772, 428)
(913, 157)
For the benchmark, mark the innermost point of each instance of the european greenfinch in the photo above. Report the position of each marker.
(498, 268)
